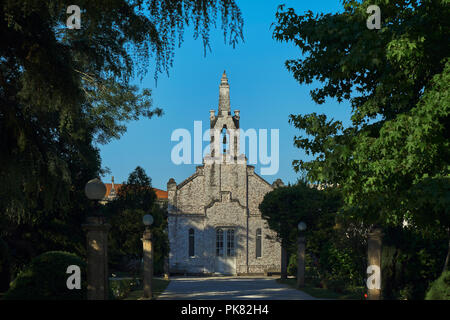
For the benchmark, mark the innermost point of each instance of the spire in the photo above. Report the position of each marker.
(224, 79)
(224, 96)
(112, 192)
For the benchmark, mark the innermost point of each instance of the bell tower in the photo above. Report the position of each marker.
(224, 128)
(225, 169)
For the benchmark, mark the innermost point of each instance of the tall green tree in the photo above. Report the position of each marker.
(136, 198)
(283, 208)
(392, 161)
(63, 90)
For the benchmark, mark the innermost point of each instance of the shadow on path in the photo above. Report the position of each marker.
(229, 288)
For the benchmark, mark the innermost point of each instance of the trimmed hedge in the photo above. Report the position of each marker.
(45, 278)
(440, 289)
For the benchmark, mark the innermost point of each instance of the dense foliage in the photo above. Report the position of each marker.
(391, 163)
(63, 91)
(440, 289)
(120, 288)
(283, 208)
(45, 278)
(339, 258)
(335, 248)
(410, 262)
(59, 87)
(135, 199)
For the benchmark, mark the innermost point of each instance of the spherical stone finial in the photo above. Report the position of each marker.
(147, 220)
(95, 189)
(301, 226)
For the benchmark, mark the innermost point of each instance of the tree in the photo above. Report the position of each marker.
(63, 90)
(53, 229)
(136, 198)
(392, 161)
(283, 208)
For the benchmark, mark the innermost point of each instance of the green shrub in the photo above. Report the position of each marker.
(336, 284)
(45, 278)
(5, 266)
(440, 289)
(409, 263)
(122, 287)
(340, 266)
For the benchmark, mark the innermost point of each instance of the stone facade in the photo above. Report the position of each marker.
(214, 223)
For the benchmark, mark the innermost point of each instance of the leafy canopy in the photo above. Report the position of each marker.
(284, 207)
(392, 161)
(136, 198)
(63, 91)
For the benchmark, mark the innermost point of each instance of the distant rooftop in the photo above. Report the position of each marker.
(160, 194)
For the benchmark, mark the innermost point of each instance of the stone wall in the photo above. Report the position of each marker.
(204, 206)
(271, 249)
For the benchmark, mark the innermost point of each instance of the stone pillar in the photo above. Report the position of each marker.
(148, 263)
(97, 258)
(301, 262)
(374, 247)
(283, 263)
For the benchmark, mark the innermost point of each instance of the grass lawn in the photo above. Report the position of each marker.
(159, 285)
(357, 294)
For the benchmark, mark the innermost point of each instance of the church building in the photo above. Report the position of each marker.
(214, 224)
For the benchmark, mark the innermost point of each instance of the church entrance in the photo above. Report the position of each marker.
(225, 251)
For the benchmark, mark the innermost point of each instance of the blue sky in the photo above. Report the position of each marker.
(260, 87)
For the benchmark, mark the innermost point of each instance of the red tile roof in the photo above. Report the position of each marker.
(160, 194)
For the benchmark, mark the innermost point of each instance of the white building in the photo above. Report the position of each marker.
(215, 225)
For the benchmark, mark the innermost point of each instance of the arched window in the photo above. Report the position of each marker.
(191, 242)
(224, 140)
(258, 243)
